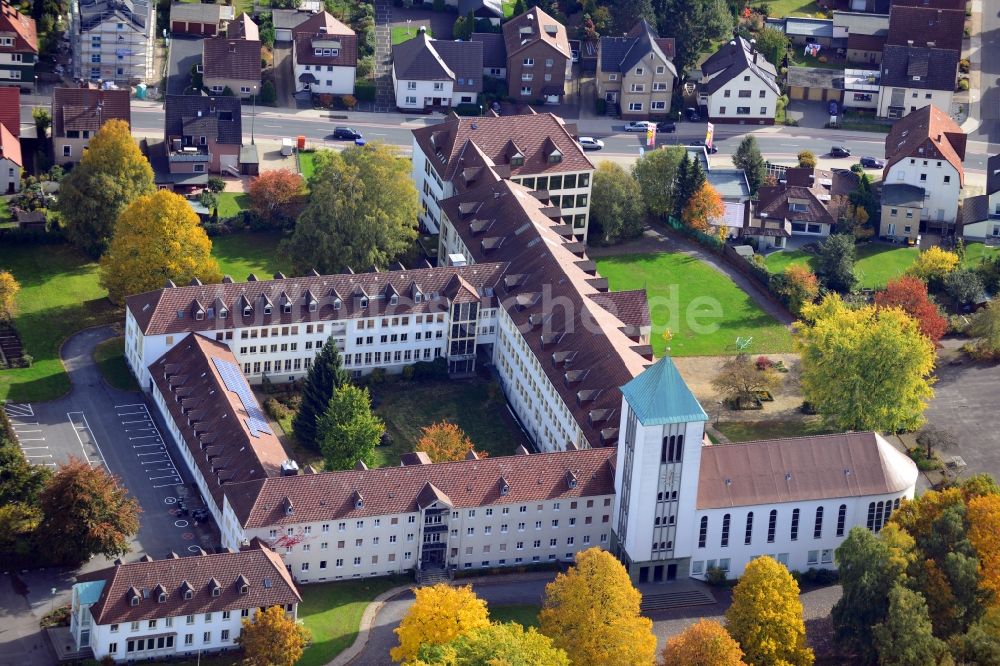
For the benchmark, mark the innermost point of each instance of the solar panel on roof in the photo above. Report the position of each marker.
(234, 381)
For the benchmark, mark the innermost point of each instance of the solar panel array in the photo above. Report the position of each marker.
(232, 377)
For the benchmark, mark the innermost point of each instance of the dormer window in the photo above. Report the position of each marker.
(216, 591)
(317, 52)
(162, 598)
(394, 299)
(364, 302)
(134, 601)
(555, 157)
(312, 306)
(286, 308)
(247, 310)
(267, 309)
(244, 589)
(337, 303)
(417, 297)
(517, 161)
(199, 315)
(188, 595)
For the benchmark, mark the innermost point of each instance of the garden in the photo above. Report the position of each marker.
(702, 310)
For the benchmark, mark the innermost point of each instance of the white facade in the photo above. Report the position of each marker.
(570, 191)
(10, 176)
(905, 100)
(745, 98)
(331, 79)
(939, 179)
(113, 49)
(419, 95)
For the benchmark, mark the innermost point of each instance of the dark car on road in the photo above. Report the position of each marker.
(347, 134)
(872, 163)
(692, 114)
(667, 126)
(839, 151)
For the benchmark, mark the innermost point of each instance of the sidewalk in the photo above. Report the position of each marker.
(975, 56)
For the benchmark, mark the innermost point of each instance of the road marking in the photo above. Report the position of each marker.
(167, 485)
(93, 438)
(20, 431)
(153, 453)
(139, 421)
(134, 404)
(26, 423)
(145, 437)
(129, 413)
(31, 439)
(32, 448)
(169, 476)
(40, 455)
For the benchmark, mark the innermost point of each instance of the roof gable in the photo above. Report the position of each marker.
(535, 27)
(73, 105)
(23, 28)
(927, 133)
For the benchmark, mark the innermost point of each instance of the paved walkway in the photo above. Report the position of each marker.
(974, 52)
(384, 94)
(654, 240)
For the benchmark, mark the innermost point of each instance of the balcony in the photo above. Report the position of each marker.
(179, 151)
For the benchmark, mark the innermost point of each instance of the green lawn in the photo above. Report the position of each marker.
(402, 33)
(332, 612)
(59, 296)
(525, 615)
(797, 58)
(702, 308)
(508, 8)
(748, 431)
(244, 253)
(406, 407)
(975, 252)
(307, 164)
(110, 358)
(231, 203)
(876, 265)
(780, 8)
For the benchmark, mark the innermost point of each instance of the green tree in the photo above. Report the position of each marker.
(463, 27)
(981, 643)
(9, 289)
(20, 481)
(43, 121)
(765, 617)
(325, 376)
(835, 267)
(271, 638)
(807, 159)
(773, 44)
(656, 173)
(440, 614)
(864, 196)
(494, 645)
(700, 22)
(963, 286)
(690, 178)
(112, 173)
(629, 12)
(157, 237)
(592, 612)
(362, 211)
(519, 8)
(616, 209)
(86, 512)
(18, 522)
(985, 328)
(870, 566)
(864, 368)
(348, 431)
(748, 158)
(906, 638)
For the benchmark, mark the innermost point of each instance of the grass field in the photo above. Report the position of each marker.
(307, 164)
(748, 431)
(975, 252)
(781, 8)
(231, 203)
(702, 308)
(876, 265)
(408, 407)
(525, 615)
(110, 358)
(245, 253)
(59, 296)
(402, 33)
(332, 612)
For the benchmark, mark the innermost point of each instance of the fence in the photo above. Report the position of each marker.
(711, 242)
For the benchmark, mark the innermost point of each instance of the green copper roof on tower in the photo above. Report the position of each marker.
(659, 395)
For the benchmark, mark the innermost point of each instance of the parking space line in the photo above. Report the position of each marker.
(17, 424)
(32, 448)
(169, 476)
(142, 446)
(128, 414)
(35, 439)
(168, 485)
(144, 437)
(36, 430)
(133, 404)
(139, 421)
(45, 455)
(154, 462)
(154, 453)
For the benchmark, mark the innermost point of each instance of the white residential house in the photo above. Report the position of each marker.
(981, 213)
(739, 85)
(113, 40)
(925, 149)
(324, 55)
(429, 73)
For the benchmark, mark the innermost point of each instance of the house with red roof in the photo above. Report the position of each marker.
(324, 55)
(11, 161)
(18, 48)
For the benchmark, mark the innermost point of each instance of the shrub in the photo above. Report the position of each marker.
(377, 376)
(764, 363)
(349, 101)
(407, 373)
(216, 184)
(716, 577)
(964, 65)
(963, 84)
(364, 90)
(276, 410)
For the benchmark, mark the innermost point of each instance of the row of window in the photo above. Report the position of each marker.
(655, 105)
(169, 621)
(639, 71)
(772, 522)
(746, 94)
(567, 181)
(743, 110)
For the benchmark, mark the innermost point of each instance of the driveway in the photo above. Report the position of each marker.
(184, 52)
(284, 75)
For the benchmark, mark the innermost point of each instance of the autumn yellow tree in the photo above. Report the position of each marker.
(445, 441)
(765, 616)
(440, 614)
(157, 238)
(111, 174)
(704, 643)
(9, 289)
(933, 264)
(703, 206)
(984, 533)
(592, 612)
(271, 638)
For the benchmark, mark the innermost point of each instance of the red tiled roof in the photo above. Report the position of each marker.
(813, 187)
(347, 56)
(262, 571)
(581, 346)
(631, 307)
(243, 27)
(499, 138)
(10, 146)
(541, 25)
(23, 27)
(10, 109)
(321, 22)
(213, 419)
(70, 105)
(171, 310)
(231, 59)
(394, 490)
(801, 468)
(927, 133)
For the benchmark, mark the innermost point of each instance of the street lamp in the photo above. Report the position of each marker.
(253, 115)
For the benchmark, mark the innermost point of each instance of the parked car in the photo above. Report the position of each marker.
(347, 134)
(872, 163)
(832, 107)
(692, 114)
(638, 126)
(666, 126)
(839, 151)
(590, 143)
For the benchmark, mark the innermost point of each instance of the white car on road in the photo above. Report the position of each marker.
(590, 143)
(638, 126)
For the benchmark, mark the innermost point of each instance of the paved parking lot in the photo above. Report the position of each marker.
(184, 52)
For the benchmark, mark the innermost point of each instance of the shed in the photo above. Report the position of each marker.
(249, 160)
